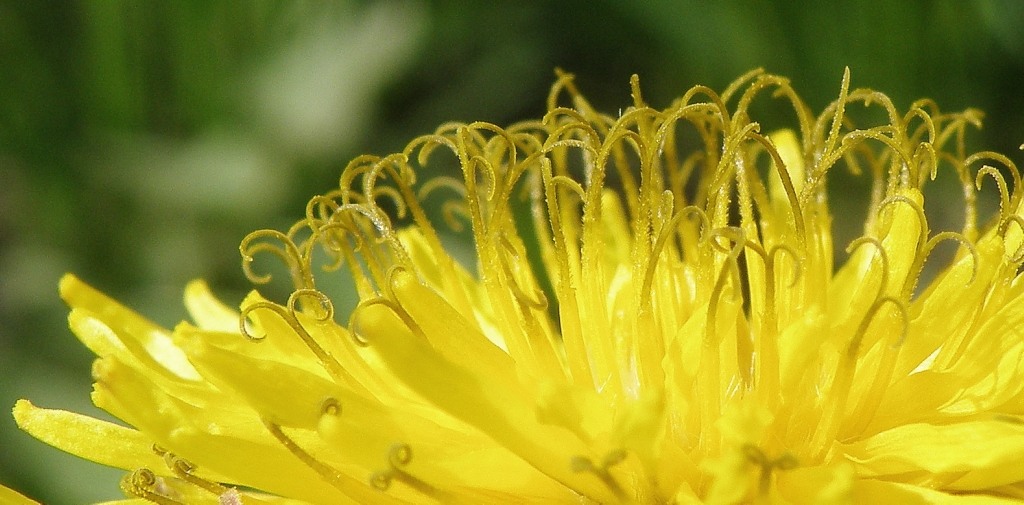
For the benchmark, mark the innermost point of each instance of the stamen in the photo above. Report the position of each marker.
(471, 163)
(853, 350)
(634, 86)
(353, 320)
(513, 272)
(835, 404)
(427, 144)
(382, 224)
(837, 118)
(334, 477)
(580, 464)
(331, 407)
(570, 184)
(738, 83)
(184, 469)
(925, 253)
(145, 484)
(664, 234)
(399, 456)
(404, 176)
(1012, 203)
(767, 466)
(926, 150)
(295, 257)
(323, 302)
(1018, 256)
(787, 184)
(1004, 193)
(392, 195)
(334, 236)
(564, 275)
(289, 316)
(883, 258)
(709, 377)
(767, 342)
(718, 200)
(563, 82)
(359, 166)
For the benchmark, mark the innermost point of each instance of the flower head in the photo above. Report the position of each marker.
(654, 318)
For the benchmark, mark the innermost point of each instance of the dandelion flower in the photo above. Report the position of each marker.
(652, 316)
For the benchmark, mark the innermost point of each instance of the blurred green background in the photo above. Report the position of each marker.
(140, 141)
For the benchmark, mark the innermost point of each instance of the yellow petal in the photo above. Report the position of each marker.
(448, 332)
(148, 342)
(10, 497)
(89, 438)
(818, 485)
(207, 311)
(223, 436)
(972, 454)
(505, 415)
(267, 386)
(877, 491)
(944, 310)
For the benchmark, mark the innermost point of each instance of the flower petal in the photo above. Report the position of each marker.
(505, 415)
(971, 455)
(225, 437)
(89, 438)
(207, 311)
(147, 341)
(11, 497)
(878, 491)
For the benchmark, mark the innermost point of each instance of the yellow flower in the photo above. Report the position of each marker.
(654, 318)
